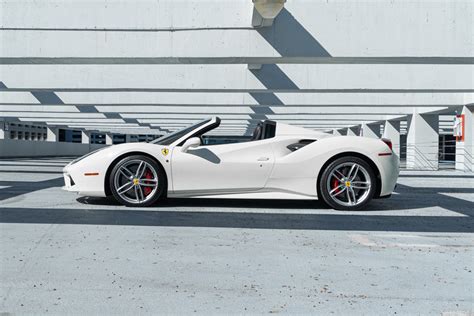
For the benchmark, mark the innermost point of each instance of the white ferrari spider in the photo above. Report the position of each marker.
(279, 162)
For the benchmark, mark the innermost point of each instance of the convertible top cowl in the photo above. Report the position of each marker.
(288, 130)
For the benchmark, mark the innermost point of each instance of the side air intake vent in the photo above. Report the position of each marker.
(300, 144)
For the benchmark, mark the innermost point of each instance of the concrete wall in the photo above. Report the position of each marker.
(383, 28)
(24, 148)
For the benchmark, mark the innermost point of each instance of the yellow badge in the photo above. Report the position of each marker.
(348, 183)
(165, 151)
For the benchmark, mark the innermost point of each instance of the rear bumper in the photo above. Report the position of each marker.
(384, 196)
(389, 170)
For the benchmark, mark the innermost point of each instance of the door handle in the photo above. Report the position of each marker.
(263, 159)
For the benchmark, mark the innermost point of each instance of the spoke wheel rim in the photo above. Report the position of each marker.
(349, 184)
(136, 181)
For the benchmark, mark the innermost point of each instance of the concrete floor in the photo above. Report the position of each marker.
(60, 254)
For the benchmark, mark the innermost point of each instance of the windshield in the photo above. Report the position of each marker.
(171, 138)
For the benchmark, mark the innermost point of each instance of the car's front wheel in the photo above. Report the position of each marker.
(137, 181)
(348, 183)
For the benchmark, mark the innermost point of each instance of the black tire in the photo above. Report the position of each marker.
(117, 178)
(365, 195)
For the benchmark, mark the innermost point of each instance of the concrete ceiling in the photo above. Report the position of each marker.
(142, 72)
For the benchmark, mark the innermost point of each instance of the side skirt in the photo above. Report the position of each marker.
(241, 194)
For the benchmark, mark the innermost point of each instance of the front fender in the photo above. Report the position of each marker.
(89, 174)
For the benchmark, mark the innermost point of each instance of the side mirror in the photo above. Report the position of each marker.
(193, 142)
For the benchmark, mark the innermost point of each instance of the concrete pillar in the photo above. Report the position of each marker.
(4, 133)
(370, 130)
(52, 134)
(422, 141)
(85, 137)
(128, 138)
(465, 149)
(392, 131)
(337, 132)
(353, 131)
(109, 139)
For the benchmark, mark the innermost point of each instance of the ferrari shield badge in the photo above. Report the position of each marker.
(165, 151)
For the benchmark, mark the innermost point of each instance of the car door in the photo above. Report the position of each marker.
(223, 168)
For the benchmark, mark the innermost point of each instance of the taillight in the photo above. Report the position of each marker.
(388, 142)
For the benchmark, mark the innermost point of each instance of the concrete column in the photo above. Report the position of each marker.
(108, 138)
(4, 133)
(422, 141)
(370, 130)
(353, 131)
(392, 131)
(128, 138)
(337, 132)
(85, 137)
(52, 134)
(465, 149)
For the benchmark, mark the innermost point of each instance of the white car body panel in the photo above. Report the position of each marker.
(244, 166)
(263, 169)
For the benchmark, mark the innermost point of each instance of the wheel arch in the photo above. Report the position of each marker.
(372, 164)
(107, 190)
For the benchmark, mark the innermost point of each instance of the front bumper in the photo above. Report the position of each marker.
(76, 180)
(68, 182)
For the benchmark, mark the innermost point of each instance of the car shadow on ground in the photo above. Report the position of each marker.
(213, 213)
(405, 198)
(234, 219)
(216, 203)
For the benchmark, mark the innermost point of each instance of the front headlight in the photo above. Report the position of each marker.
(86, 155)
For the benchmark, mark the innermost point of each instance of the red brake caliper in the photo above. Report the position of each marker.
(148, 175)
(335, 184)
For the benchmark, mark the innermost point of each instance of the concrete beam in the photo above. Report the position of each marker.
(419, 78)
(422, 142)
(265, 12)
(236, 60)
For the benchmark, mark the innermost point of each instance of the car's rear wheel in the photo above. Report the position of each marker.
(137, 181)
(348, 183)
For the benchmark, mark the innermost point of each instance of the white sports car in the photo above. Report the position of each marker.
(279, 162)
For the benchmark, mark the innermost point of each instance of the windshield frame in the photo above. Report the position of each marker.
(176, 136)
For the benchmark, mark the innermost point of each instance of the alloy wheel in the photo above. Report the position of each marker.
(136, 181)
(349, 184)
